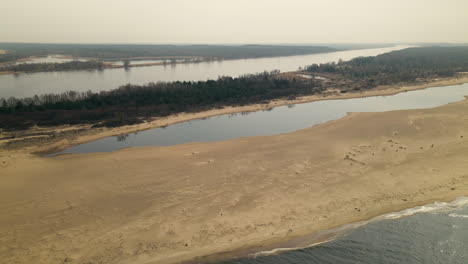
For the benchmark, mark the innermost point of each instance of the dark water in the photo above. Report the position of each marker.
(24, 85)
(432, 234)
(277, 120)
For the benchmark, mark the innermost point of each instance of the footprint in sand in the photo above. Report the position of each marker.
(204, 162)
(193, 153)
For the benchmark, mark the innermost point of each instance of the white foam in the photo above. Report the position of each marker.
(429, 208)
(458, 215)
(272, 252)
(280, 250)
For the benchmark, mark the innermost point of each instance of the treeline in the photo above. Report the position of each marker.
(48, 67)
(121, 51)
(130, 103)
(406, 65)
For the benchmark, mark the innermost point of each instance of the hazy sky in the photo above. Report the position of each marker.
(233, 21)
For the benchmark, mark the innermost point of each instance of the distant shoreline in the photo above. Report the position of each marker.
(181, 59)
(109, 65)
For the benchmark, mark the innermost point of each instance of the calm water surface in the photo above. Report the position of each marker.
(432, 234)
(278, 120)
(24, 85)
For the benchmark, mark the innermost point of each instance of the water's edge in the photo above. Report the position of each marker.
(327, 235)
(428, 208)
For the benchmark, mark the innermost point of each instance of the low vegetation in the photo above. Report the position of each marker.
(122, 51)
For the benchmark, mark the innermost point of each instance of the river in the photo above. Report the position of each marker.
(30, 84)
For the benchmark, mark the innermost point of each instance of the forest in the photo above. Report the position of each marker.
(134, 103)
(407, 65)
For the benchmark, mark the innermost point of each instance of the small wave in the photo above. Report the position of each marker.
(434, 207)
(458, 215)
(272, 252)
(316, 239)
(281, 250)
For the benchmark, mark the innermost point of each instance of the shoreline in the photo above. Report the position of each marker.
(266, 190)
(322, 236)
(203, 59)
(319, 236)
(301, 240)
(99, 133)
(109, 63)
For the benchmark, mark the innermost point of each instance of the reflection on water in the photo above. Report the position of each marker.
(275, 120)
(56, 82)
(122, 137)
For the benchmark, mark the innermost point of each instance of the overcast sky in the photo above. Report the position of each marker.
(233, 21)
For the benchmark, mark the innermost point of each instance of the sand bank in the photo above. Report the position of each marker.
(179, 203)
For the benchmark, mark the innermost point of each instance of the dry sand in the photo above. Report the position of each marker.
(177, 203)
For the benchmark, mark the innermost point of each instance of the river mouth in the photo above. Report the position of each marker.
(278, 120)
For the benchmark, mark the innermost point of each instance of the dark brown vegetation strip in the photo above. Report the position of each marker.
(52, 67)
(120, 51)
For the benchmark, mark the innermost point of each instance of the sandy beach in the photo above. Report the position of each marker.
(186, 202)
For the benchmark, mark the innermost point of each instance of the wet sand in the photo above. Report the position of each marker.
(179, 203)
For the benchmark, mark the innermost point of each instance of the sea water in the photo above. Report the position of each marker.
(433, 234)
